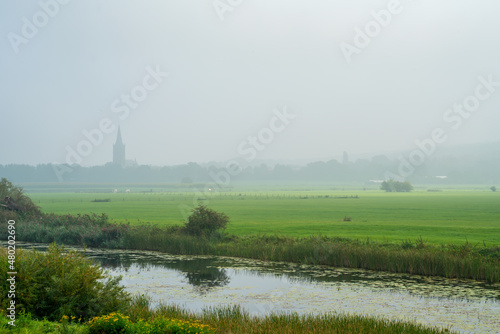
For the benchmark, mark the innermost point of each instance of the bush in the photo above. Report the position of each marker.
(204, 221)
(22, 205)
(57, 283)
(396, 186)
(34, 226)
(90, 230)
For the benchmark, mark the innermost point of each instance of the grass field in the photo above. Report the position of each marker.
(451, 216)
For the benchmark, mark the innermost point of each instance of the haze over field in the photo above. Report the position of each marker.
(289, 80)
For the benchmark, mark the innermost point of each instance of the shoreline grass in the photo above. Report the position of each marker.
(141, 319)
(234, 319)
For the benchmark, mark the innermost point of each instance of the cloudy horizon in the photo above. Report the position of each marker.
(214, 80)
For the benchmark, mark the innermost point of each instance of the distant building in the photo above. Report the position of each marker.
(119, 153)
(119, 150)
(345, 158)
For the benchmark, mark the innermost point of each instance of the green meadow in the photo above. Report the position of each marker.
(450, 216)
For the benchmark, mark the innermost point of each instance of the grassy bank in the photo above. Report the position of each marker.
(173, 319)
(236, 320)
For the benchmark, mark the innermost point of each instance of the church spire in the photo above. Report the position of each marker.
(119, 150)
(119, 137)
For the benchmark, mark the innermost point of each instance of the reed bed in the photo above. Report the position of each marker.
(464, 262)
(234, 319)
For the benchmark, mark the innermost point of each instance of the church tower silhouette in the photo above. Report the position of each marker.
(119, 150)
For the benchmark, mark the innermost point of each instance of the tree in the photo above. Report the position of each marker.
(204, 221)
(396, 186)
(13, 199)
(62, 282)
(493, 188)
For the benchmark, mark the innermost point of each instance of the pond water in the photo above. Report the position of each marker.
(196, 282)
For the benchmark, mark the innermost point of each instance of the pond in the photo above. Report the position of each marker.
(196, 282)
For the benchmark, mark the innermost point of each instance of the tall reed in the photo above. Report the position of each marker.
(234, 319)
(425, 260)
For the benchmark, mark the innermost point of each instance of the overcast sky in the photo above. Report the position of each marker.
(304, 78)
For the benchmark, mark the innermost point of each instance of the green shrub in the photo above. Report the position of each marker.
(24, 206)
(396, 186)
(91, 230)
(25, 323)
(58, 283)
(204, 221)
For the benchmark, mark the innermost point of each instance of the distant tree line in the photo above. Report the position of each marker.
(361, 170)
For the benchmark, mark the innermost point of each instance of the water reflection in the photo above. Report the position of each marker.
(205, 273)
(198, 272)
(208, 272)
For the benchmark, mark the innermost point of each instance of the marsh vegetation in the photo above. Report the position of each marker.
(106, 308)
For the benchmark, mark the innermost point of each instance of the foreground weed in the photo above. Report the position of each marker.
(25, 324)
(117, 323)
(113, 323)
(234, 319)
